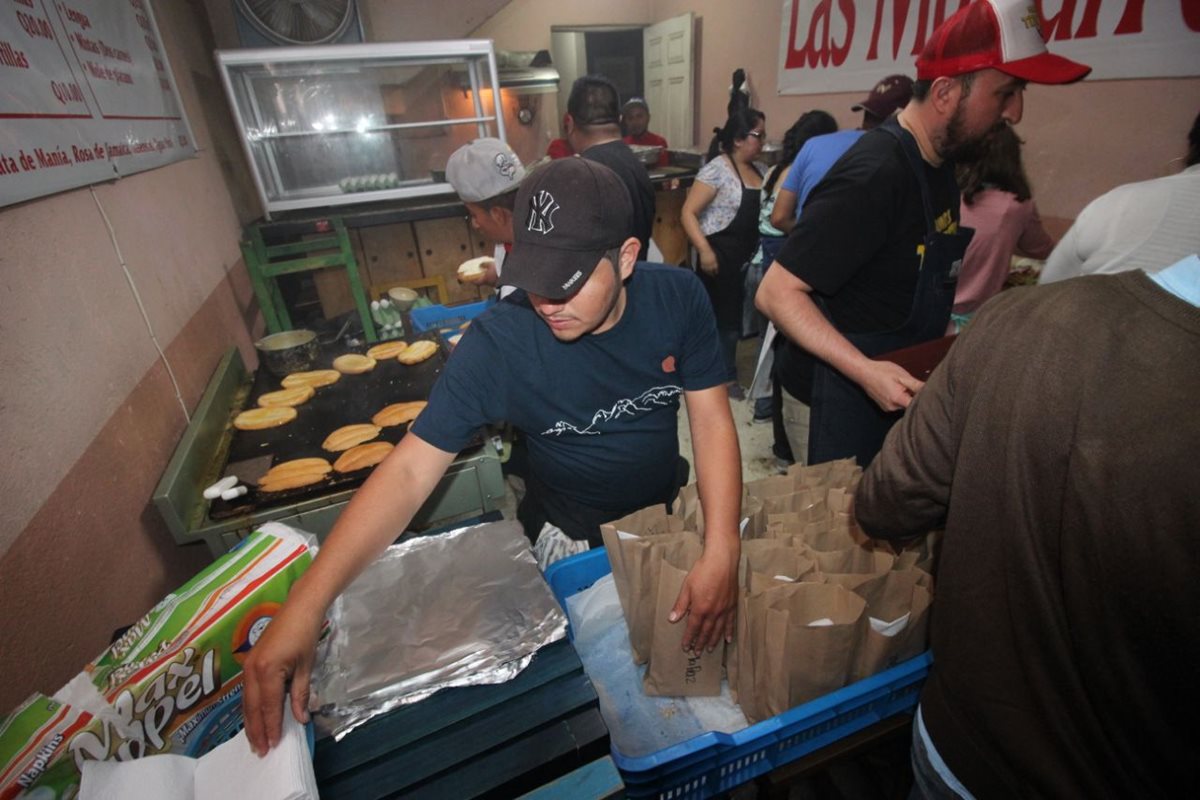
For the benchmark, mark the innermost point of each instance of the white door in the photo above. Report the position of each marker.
(667, 56)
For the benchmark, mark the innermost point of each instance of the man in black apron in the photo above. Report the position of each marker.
(872, 263)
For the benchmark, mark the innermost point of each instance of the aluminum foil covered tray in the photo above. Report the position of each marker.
(457, 609)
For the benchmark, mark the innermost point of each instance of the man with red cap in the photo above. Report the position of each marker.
(871, 265)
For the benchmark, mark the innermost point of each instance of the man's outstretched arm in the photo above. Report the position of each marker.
(786, 300)
(379, 511)
(709, 595)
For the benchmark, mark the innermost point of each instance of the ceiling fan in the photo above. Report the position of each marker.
(299, 22)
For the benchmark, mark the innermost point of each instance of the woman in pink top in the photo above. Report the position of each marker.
(997, 203)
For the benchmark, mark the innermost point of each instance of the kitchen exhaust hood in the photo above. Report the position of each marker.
(524, 72)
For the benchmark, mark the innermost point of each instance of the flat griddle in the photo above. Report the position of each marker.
(353, 399)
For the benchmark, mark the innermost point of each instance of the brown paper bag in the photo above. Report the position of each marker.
(691, 514)
(771, 486)
(889, 599)
(844, 472)
(759, 593)
(637, 583)
(732, 651)
(906, 560)
(803, 661)
(839, 499)
(649, 521)
(924, 580)
(753, 520)
(798, 511)
(853, 559)
(848, 580)
(672, 672)
(687, 508)
(775, 557)
(835, 534)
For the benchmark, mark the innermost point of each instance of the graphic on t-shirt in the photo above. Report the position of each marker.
(627, 407)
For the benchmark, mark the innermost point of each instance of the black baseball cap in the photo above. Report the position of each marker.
(567, 215)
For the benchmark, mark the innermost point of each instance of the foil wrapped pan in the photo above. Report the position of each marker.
(457, 609)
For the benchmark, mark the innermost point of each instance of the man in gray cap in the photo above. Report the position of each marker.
(590, 363)
(485, 174)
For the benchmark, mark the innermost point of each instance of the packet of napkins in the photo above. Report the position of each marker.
(229, 770)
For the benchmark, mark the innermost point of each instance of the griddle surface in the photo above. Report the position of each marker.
(353, 399)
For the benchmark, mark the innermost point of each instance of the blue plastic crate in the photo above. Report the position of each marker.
(712, 762)
(438, 317)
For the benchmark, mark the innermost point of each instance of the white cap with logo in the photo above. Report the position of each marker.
(484, 169)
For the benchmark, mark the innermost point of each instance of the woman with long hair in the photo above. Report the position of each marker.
(998, 203)
(720, 217)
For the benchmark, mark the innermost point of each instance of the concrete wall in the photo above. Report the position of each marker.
(90, 414)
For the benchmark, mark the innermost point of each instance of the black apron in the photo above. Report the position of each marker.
(844, 420)
(734, 246)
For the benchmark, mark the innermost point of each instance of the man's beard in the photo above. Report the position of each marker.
(955, 145)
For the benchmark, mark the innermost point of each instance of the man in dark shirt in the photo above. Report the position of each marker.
(593, 124)
(871, 265)
(592, 366)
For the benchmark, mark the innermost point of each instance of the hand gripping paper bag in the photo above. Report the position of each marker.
(635, 575)
(171, 684)
(649, 521)
(672, 671)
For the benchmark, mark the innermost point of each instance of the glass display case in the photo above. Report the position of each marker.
(339, 124)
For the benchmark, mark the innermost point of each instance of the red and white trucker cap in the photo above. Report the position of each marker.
(1005, 35)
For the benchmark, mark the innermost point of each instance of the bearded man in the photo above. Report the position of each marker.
(871, 265)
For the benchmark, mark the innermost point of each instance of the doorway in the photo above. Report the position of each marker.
(614, 51)
(651, 61)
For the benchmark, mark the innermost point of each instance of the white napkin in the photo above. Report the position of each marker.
(165, 776)
(892, 628)
(230, 770)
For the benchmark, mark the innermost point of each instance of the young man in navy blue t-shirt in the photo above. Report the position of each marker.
(589, 362)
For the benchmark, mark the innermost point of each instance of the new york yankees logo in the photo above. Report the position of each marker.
(541, 212)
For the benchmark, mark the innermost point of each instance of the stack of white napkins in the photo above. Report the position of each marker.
(230, 770)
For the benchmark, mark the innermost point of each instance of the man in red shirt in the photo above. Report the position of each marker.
(635, 119)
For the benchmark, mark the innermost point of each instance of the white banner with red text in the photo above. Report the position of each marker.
(848, 45)
(86, 95)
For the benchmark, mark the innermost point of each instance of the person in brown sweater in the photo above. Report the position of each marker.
(1057, 444)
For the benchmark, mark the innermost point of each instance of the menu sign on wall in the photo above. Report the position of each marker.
(86, 95)
(848, 45)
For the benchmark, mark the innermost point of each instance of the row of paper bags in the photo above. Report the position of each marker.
(820, 605)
